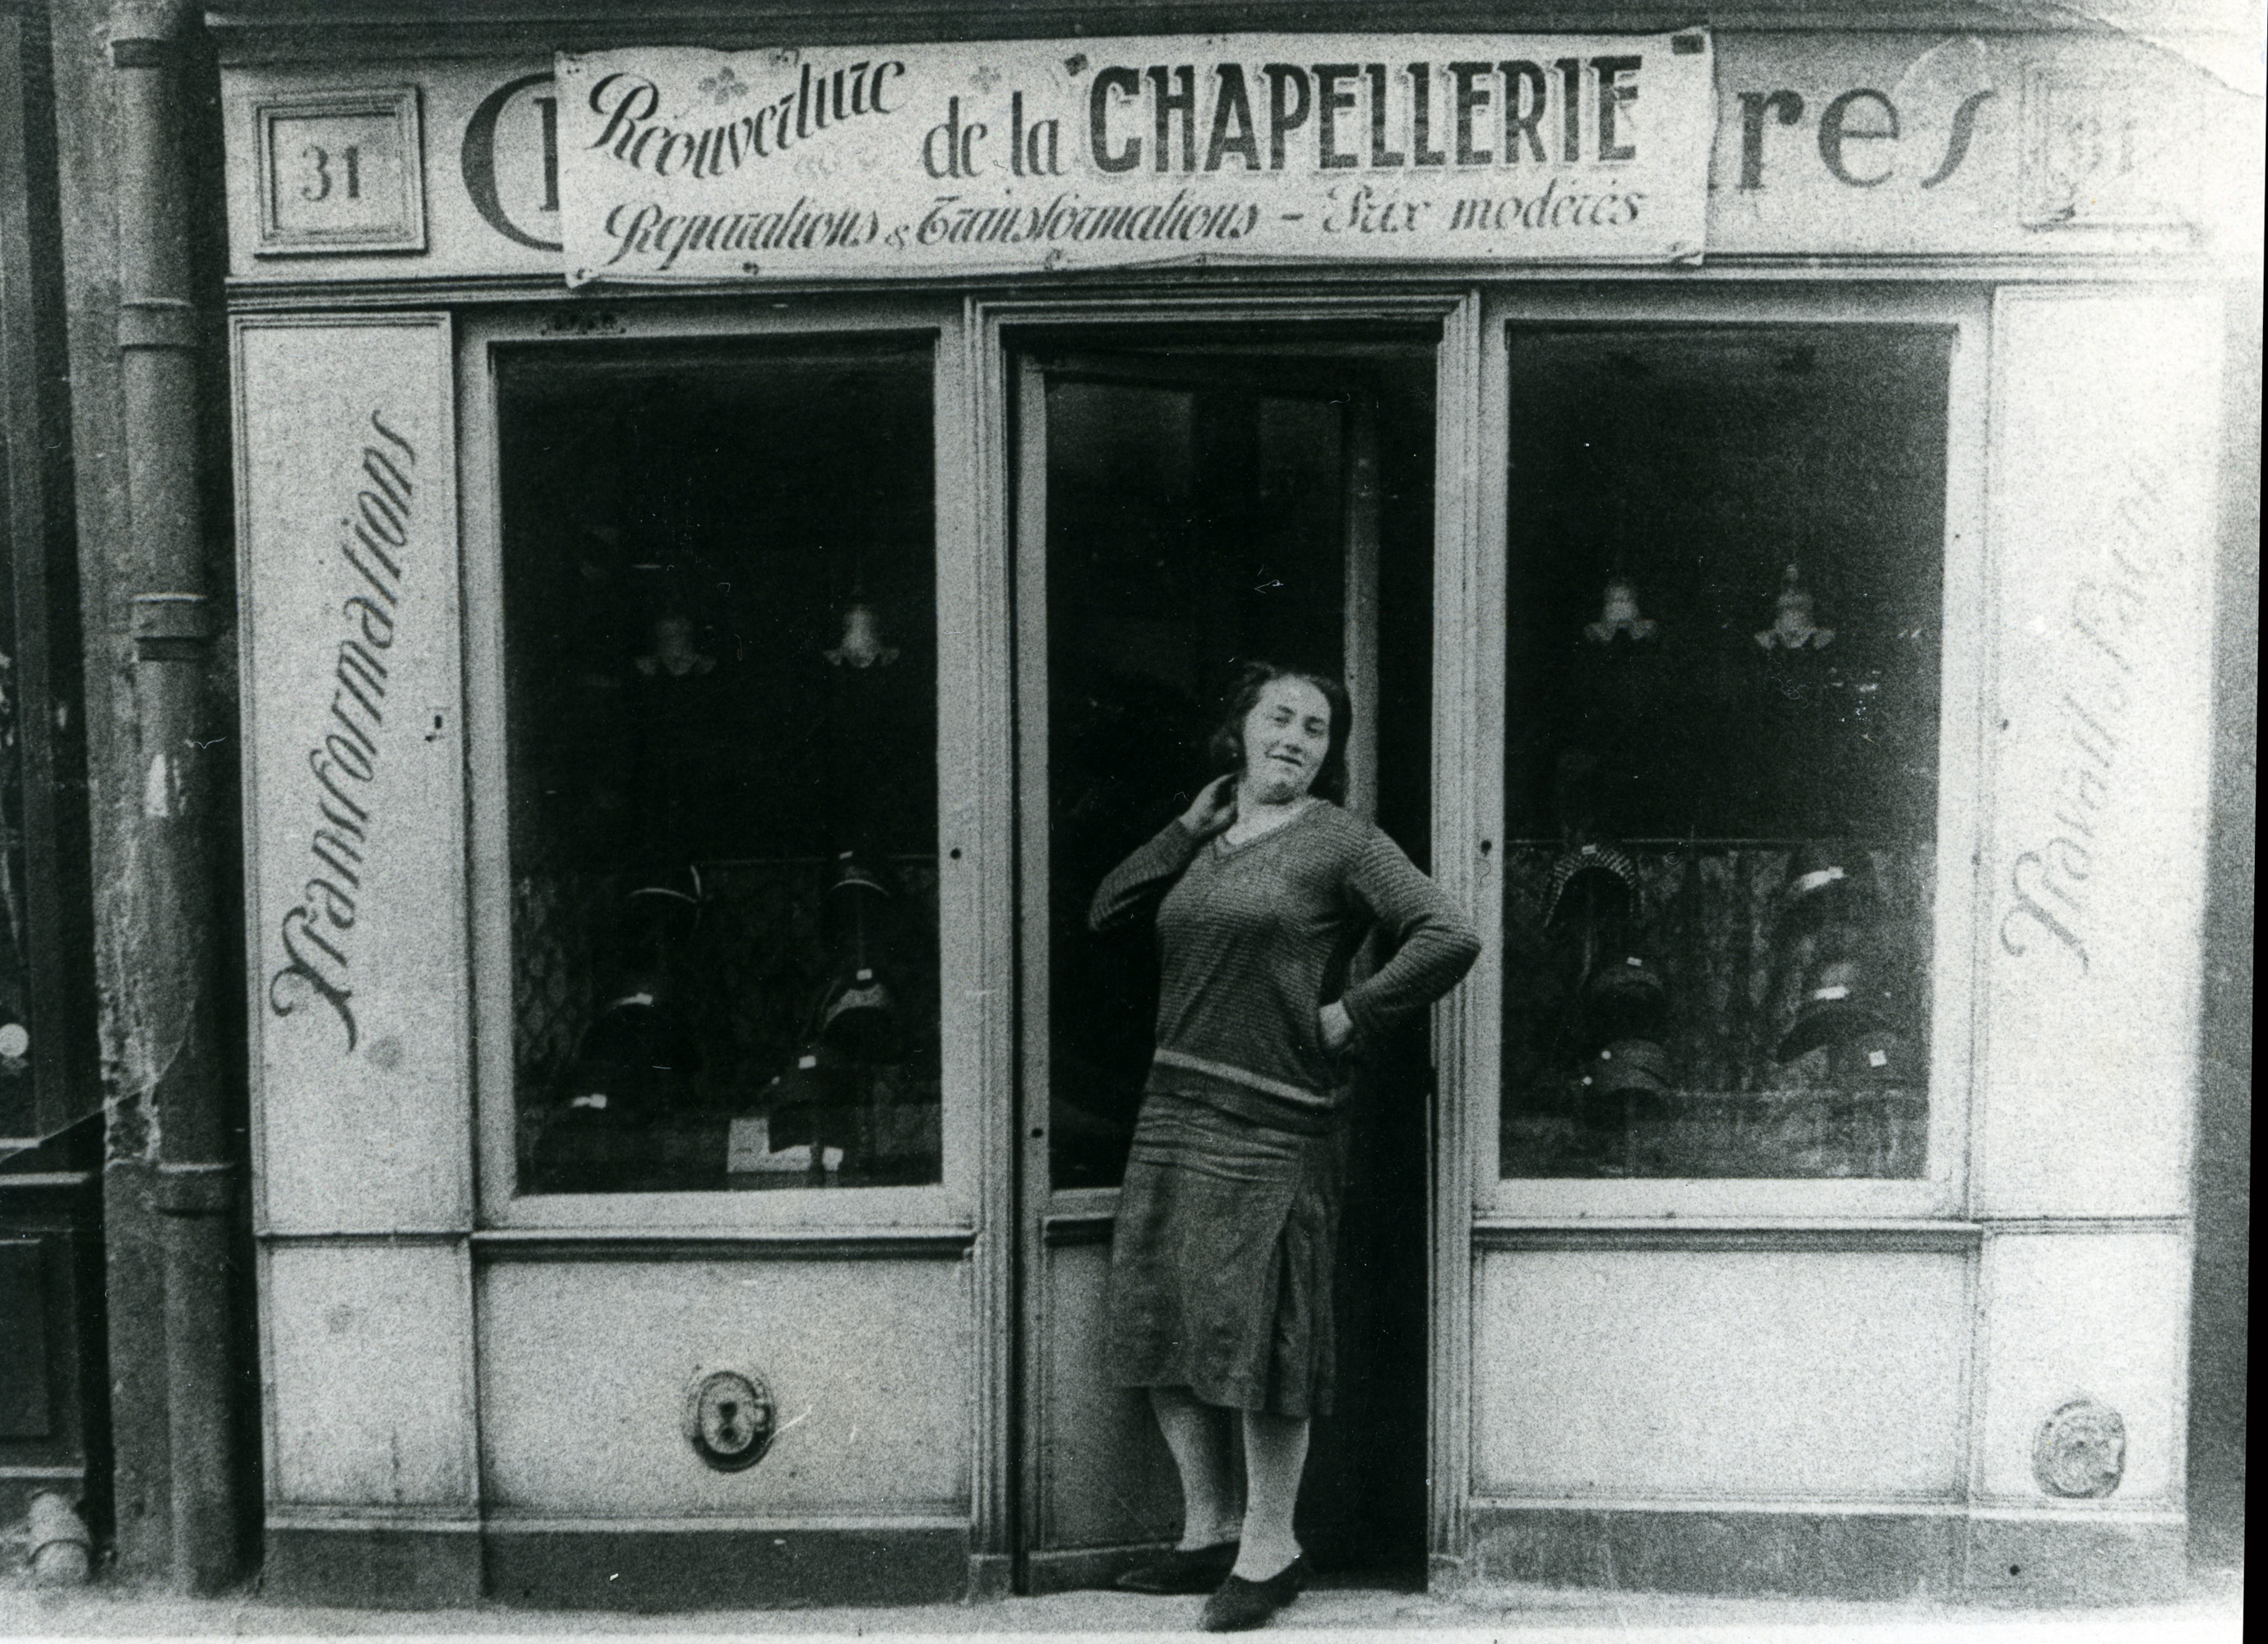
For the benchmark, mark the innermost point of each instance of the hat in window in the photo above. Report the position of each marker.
(856, 880)
(1842, 998)
(1629, 1067)
(857, 903)
(1828, 882)
(1625, 997)
(634, 1063)
(858, 1014)
(1601, 874)
(858, 1017)
(667, 900)
(679, 886)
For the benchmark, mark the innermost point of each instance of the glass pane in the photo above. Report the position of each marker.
(721, 677)
(1725, 558)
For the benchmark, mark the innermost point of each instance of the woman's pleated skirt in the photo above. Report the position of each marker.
(1221, 1264)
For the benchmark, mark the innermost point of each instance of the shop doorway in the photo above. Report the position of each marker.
(1182, 505)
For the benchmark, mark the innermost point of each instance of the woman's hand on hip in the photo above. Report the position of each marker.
(1213, 809)
(1337, 1027)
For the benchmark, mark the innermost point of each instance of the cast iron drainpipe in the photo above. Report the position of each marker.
(172, 895)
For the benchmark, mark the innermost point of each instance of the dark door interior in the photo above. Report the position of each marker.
(1189, 505)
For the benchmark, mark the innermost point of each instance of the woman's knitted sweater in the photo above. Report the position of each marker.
(1255, 939)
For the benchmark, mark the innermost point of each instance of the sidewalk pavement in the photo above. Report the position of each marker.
(2213, 1611)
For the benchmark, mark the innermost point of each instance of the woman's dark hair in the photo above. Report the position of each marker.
(1226, 746)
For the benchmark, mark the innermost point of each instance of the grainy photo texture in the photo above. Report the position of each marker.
(1069, 819)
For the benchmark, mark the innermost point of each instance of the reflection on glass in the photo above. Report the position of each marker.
(1725, 553)
(720, 616)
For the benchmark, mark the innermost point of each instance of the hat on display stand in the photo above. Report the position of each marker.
(670, 897)
(1606, 874)
(1625, 997)
(858, 1015)
(1830, 881)
(637, 1055)
(1629, 1067)
(635, 1061)
(855, 884)
(1843, 998)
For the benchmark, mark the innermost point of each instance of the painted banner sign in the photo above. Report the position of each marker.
(678, 164)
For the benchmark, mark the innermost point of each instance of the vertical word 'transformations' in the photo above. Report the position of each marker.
(317, 932)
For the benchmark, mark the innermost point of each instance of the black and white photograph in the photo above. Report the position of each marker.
(919, 818)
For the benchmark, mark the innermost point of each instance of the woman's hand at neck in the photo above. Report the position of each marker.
(1213, 809)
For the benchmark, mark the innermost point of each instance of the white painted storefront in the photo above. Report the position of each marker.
(1952, 1356)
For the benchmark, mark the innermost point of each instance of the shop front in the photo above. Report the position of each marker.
(735, 540)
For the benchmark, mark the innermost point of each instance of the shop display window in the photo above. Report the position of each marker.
(1724, 559)
(719, 591)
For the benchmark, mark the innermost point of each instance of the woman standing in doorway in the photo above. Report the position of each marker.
(1221, 1272)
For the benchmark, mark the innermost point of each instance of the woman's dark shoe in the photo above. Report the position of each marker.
(1196, 1570)
(1241, 1605)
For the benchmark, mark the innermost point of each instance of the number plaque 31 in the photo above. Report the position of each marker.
(341, 172)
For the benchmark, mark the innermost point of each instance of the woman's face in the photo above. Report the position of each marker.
(1286, 735)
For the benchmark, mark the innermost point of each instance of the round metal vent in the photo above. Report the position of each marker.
(2080, 1451)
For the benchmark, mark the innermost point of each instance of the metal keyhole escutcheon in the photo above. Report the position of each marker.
(729, 1419)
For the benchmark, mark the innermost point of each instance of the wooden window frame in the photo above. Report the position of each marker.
(972, 756)
(1469, 774)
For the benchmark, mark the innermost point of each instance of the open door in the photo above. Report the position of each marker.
(1180, 509)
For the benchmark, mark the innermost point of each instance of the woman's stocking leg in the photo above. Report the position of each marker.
(1198, 1437)
(1275, 1455)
